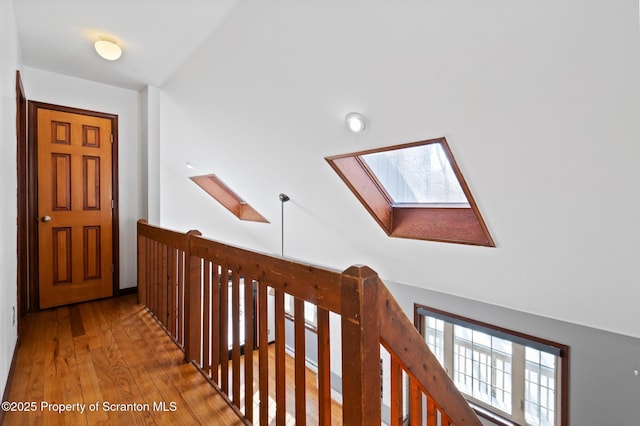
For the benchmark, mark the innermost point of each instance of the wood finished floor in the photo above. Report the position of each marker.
(311, 412)
(110, 351)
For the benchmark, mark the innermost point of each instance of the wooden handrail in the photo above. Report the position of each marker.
(406, 346)
(281, 274)
(193, 286)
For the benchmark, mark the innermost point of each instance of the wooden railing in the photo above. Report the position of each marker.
(205, 294)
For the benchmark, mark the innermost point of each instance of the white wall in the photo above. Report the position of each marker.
(9, 63)
(59, 89)
(150, 154)
(539, 102)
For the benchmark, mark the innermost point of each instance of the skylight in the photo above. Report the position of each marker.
(229, 199)
(417, 174)
(415, 191)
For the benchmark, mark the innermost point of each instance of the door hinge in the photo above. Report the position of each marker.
(113, 268)
(111, 204)
(111, 137)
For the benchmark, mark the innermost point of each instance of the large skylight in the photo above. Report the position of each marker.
(417, 174)
(416, 191)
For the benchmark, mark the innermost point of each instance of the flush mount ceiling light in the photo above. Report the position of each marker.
(355, 122)
(108, 49)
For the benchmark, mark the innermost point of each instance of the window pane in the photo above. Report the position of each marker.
(310, 313)
(481, 339)
(419, 174)
(288, 304)
(540, 391)
(547, 359)
(482, 367)
(435, 337)
(462, 332)
(501, 345)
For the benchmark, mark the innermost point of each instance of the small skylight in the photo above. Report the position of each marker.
(415, 191)
(229, 199)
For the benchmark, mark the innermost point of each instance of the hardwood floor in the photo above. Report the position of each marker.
(112, 364)
(311, 412)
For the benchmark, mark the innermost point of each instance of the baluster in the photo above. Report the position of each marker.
(224, 330)
(142, 268)
(415, 403)
(235, 325)
(164, 286)
(172, 283)
(216, 325)
(432, 416)
(206, 312)
(154, 278)
(180, 302)
(396, 392)
(148, 271)
(248, 347)
(300, 362)
(281, 395)
(193, 303)
(263, 349)
(324, 368)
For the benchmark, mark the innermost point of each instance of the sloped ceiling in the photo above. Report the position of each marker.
(156, 36)
(538, 101)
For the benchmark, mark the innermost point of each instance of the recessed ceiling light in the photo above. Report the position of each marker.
(108, 49)
(355, 122)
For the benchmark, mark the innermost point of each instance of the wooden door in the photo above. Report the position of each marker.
(75, 207)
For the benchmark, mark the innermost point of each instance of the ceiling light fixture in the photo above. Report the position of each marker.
(108, 48)
(355, 122)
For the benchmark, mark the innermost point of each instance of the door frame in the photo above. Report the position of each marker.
(31, 165)
(22, 274)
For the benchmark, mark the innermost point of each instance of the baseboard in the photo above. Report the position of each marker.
(5, 394)
(128, 290)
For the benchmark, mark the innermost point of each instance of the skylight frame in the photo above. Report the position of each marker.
(217, 189)
(443, 222)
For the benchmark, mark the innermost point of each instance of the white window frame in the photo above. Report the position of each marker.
(518, 364)
(310, 311)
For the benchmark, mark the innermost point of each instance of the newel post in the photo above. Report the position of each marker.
(142, 265)
(192, 303)
(360, 347)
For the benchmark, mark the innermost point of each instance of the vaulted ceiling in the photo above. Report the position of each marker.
(156, 36)
(539, 102)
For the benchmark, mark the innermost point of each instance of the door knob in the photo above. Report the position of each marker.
(46, 219)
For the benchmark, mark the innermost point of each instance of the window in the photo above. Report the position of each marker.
(310, 311)
(416, 191)
(417, 174)
(229, 199)
(504, 374)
